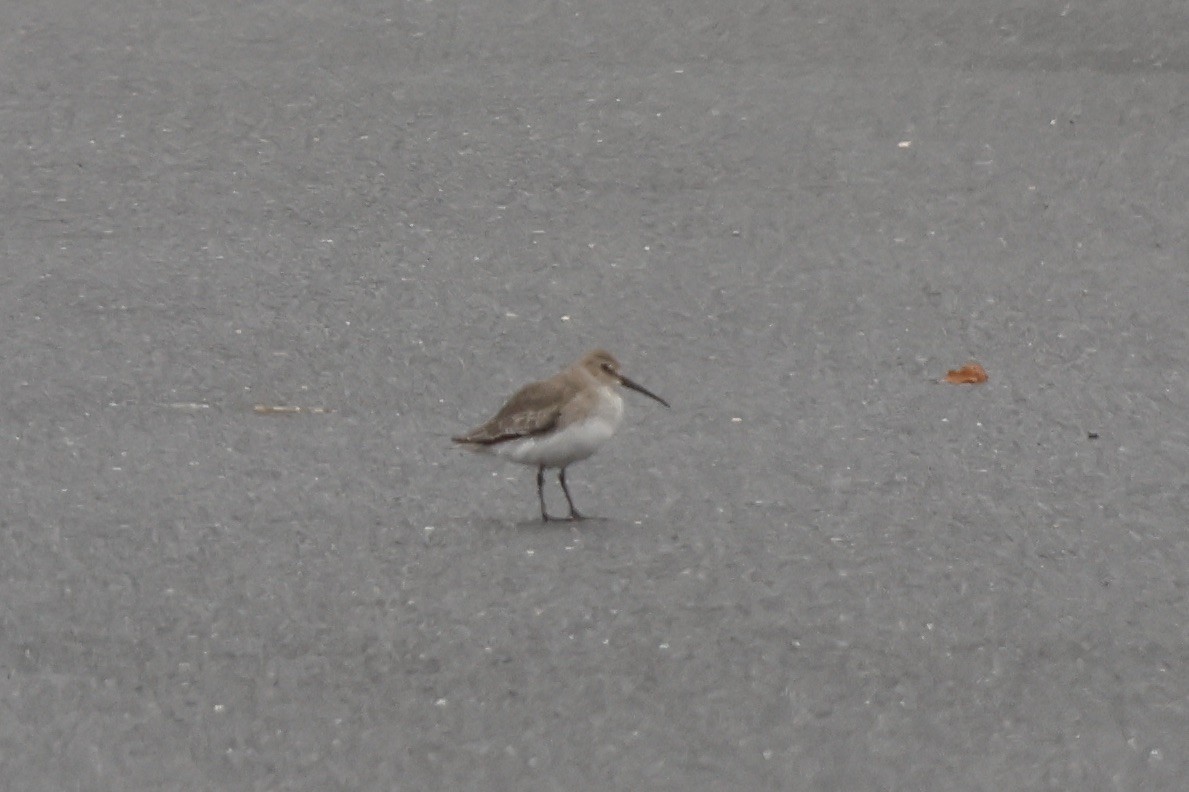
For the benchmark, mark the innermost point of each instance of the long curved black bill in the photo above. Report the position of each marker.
(627, 383)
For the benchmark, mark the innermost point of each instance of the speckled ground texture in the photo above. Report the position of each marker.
(821, 570)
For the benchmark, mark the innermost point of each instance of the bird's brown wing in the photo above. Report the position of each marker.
(533, 409)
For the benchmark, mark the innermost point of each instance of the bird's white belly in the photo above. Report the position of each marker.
(575, 442)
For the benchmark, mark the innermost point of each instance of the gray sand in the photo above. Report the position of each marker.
(821, 570)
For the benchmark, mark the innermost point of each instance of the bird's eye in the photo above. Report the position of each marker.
(607, 367)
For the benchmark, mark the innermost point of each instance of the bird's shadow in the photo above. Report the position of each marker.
(560, 523)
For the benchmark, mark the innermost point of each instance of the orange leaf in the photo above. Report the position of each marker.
(970, 374)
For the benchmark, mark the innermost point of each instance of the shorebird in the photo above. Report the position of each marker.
(559, 421)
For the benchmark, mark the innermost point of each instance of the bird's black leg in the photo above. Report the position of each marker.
(541, 492)
(561, 477)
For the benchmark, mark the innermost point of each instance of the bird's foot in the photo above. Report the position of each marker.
(573, 517)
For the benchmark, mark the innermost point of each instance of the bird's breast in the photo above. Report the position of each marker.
(609, 409)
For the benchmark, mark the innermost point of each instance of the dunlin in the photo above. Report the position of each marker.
(559, 421)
